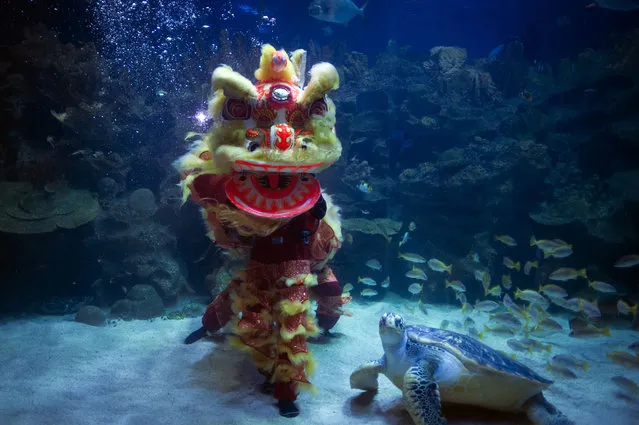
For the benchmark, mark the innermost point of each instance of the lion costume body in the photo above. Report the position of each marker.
(253, 175)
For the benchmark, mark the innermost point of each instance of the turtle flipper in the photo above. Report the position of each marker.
(365, 376)
(421, 395)
(541, 412)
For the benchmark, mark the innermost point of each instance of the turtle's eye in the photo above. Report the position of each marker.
(399, 323)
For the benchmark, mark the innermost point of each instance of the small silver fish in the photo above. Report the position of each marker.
(437, 265)
(561, 252)
(472, 331)
(560, 371)
(536, 345)
(456, 285)
(500, 330)
(628, 261)
(625, 309)
(416, 273)
(591, 310)
(374, 264)
(550, 324)
(571, 362)
(415, 288)
(529, 265)
(507, 319)
(368, 292)
(566, 273)
(517, 345)
(405, 239)
(571, 304)
(385, 283)
(626, 385)
(602, 287)
(411, 257)
(486, 306)
(553, 291)
(621, 5)
(366, 281)
(589, 332)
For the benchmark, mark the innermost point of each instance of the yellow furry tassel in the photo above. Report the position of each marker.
(303, 386)
(298, 359)
(233, 84)
(324, 78)
(285, 372)
(265, 72)
(291, 308)
(308, 279)
(300, 330)
(311, 365)
(241, 298)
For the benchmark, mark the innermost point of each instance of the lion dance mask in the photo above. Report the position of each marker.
(253, 175)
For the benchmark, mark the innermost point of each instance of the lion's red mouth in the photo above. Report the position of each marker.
(273, 195)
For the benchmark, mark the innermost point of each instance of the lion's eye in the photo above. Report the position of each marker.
(252, 145)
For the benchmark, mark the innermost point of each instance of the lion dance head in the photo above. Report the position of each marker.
(269, 139)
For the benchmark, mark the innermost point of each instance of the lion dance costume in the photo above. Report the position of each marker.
(253, 174)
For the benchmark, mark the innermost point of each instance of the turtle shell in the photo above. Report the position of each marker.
(475, 355)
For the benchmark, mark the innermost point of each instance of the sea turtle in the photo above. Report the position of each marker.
(432, 365)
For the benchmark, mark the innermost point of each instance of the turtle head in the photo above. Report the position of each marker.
(392, 330)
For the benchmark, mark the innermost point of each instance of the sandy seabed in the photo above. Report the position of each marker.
(56, 371)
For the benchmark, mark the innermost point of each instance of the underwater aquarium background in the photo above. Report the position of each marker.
(468, 128)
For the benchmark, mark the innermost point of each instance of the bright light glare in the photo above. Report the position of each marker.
(201, 117)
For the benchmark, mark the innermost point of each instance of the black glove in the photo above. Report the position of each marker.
(319, 209)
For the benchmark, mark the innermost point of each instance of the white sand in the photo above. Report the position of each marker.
(56, 371)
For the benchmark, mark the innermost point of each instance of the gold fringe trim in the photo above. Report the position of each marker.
(311, 365)
(307, 279)
(291, 308)
(284, 372)
(241, 298)
(289, 335)
(299, 358)
(310, 388)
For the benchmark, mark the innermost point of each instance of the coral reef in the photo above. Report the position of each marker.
(26, 210)
(135, 249)
(141, 302)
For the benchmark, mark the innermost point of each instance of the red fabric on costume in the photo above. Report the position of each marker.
(209, 188)
(219, 312)
(285, 391)
(286, 243)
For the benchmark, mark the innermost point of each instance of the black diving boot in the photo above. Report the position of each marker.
(288, 408)
(267, 387)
